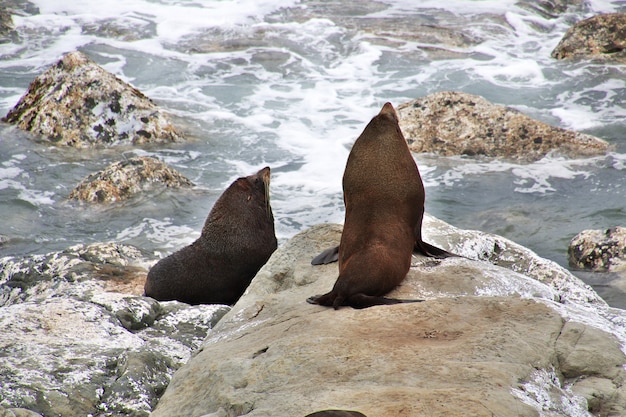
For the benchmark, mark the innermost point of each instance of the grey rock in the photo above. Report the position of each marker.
(73, 344)
(585, 351)
(599, 250)
(17, 412)
(551, 8)
(121, 180)
(486, 339)
(602, 35)
(454, 123)
(77, 103)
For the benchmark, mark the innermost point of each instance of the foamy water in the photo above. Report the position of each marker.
(291, 85)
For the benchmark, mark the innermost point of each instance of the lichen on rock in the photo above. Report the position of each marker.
(121, 180)
(77, 103)
(599, 250)
(602, 35)
(454, 123)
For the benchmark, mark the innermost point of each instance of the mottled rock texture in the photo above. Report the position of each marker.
(123, 179)
(486, 341)
(599, 250)
(78, 103)
(603, 35)
(454, 123)
(74, 343)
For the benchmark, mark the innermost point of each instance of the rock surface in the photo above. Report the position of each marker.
(550, 8)
(121, 180)
(78, 103)
(599, 250)
(486, 341)
(78, 339)
(454, 123)
(599, 36)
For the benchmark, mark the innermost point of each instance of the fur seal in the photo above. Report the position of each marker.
(332, 254)
(237, 239)
(384, 199)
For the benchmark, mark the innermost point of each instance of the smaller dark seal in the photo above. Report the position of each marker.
(236, 241)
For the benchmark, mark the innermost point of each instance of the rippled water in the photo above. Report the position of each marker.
(291, 85)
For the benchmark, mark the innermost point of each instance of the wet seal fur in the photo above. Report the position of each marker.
(237, 239)
(384, 198)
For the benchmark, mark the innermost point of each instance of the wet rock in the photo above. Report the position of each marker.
(73, 347)
(489, 340)
(78, 103)
(9, 8)
(599, 250)
(551, 8)
(121, 180)
(599, 36)
(24, 279)
(453, 123)
(126, 29)
(7, 32)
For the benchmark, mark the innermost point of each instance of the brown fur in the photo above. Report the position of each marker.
(236, 241)
(384, 199)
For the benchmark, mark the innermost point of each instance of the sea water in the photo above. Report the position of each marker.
(291, 84)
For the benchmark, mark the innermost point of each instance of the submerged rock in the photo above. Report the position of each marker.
(74, 345)
(599, 250)
(550, 8)
(453, 123)
(7, 32)
(78, 103)
(122, 180)
(486, 341)
(599, 36)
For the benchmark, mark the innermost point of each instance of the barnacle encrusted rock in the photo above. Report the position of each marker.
(601, 35)
(123, 179)
(77, 103)
(454, 123)
(599, 250)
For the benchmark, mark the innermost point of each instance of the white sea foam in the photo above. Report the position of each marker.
(295, 94)
(535, 177)
(162, 231)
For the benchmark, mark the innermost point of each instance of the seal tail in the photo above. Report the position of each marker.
(327, 256)
(331, 255)
(432, 251)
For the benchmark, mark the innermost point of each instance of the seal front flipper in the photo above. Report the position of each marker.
(328, 256)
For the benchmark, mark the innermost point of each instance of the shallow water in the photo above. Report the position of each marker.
(291, 85)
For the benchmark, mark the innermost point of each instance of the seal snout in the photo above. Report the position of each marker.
(388, 110)
(265, 175)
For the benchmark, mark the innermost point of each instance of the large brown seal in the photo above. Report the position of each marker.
(384, 199)
(236, 241)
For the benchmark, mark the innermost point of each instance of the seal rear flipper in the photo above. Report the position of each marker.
(432, 251)
(327, 256)
(360, 301)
